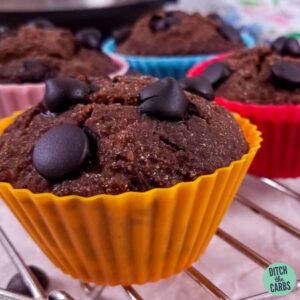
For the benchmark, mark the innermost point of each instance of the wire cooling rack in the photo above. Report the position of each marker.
(275, 217)
(261, 226)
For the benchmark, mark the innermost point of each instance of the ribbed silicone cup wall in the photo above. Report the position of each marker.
(164, 66)
(14, 97)
(134, 237)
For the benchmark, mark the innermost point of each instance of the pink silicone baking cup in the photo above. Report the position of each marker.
(279, 156)
(14, 97)
(121, 63)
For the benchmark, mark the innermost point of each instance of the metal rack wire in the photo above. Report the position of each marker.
(247, 251)
(246, 202)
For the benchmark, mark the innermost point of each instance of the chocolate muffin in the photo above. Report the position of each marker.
(179, 33)
(132, 133)
(32, 54)
(262, 75)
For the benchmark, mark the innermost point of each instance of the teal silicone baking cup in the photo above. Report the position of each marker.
(163, 66)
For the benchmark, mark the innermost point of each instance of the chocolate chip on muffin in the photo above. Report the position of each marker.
(89, 38)
(217, 18)
(263, 75)
(37, 51)
(61, 93)
(286, 73)
(41, 23)
(163, 22)
(132, 133)
(216, 73)
(4, 30)
(199, 85)
(286, 46)
(61, 152)
(164, 99)
(121, 34)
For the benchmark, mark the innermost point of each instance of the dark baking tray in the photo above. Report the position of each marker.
(77, 14)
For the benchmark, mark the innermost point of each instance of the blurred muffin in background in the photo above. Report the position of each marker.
(168, 43)
(38, 51)
(263, 85)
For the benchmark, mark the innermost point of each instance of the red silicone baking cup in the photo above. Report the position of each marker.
(14, 97)
(279, 156)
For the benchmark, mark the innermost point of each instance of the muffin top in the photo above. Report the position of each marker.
(32, 54)
(179, 33)
(132, 133)
(261, 75)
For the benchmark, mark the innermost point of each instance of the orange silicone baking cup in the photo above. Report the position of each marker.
(133, 237)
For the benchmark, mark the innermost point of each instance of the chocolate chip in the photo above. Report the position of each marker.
(286, 46)
(158, 23)
(230, 33)
(121, 34)
(215, 17)
(62, 93)
(17, 285)
(171, 18)
(41, 23)
(162, 23)
(291, 47)
(33, 71)
(61, 152)
(164, 99)
(216, 73)
(93, 88)
(286, 73)
(198, 85)
(277, 45)
(89, 38)
(4, 30)
(170, 13)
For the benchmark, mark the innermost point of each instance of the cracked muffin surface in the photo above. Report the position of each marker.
(131, 151)
(251, 78)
